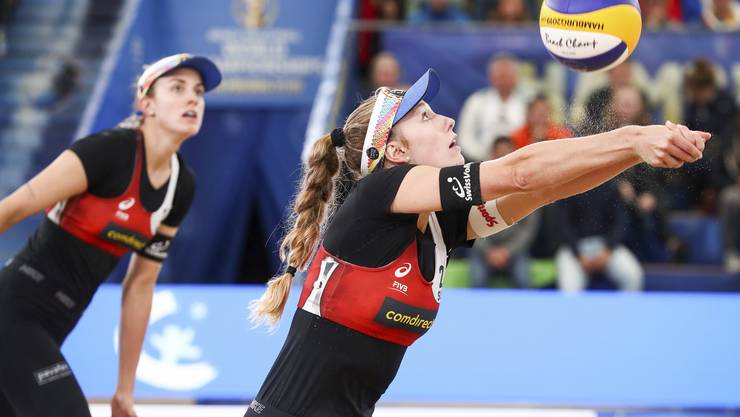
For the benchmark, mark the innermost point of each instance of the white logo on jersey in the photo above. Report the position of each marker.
(403, 270)
(402, 288)
(126, 204)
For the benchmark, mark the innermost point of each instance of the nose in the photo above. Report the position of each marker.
(450, 123)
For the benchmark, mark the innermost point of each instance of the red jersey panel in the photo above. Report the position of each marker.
(117, 224)
(393, 303)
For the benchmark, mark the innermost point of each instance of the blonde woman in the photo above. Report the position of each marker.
(373, 286)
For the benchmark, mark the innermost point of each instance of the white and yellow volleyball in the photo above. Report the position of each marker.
(590, 35)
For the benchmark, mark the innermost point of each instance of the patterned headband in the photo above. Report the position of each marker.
(386, 106)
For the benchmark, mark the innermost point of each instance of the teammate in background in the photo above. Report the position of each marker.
(114, 191)
(374, 284)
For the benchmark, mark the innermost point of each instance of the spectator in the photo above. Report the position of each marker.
(506, 252)
(721, 15)
(438, 11)
(727, 179)
(660, 14)
(598, 101)
(6, 9)
(509, 12)
(642, 189)
(707, 108)
(385, 71)
(390, 10)
(381, 11)
(592, 228)
(493, 111)
(539, 125)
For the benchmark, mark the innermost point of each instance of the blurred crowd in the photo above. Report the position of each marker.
(613, 230)
(718, 15)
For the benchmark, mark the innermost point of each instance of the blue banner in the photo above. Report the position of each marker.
(486, 346)
(461, 57)
(271, 52)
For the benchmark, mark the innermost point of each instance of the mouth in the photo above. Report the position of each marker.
(453, 143)
(190, 114)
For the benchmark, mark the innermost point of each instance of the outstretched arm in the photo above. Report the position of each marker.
(549, 164)
(63, 178)
(136, 305)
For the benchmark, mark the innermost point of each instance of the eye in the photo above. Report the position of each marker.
(200, 92)
(424, 116)
(177, 88)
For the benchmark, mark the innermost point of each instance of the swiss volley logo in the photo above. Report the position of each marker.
(179, 364)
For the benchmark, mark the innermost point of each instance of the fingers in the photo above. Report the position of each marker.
(690, 144)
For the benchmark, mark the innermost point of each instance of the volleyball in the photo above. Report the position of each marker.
(590, 35)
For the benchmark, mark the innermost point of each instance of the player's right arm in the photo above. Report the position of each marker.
(63, 178)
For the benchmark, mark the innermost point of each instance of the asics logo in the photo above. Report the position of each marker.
(403, 270)
(126, 204)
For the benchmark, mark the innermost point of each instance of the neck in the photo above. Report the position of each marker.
(160, 145)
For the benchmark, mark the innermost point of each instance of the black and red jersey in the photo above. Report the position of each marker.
(116, 224)
(394, 302)
(83, 237)
(372, 289)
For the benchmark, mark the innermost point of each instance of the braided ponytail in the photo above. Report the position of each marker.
(311, 207)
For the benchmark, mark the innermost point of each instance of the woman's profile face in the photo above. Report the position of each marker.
(177, 102)
(429, 137)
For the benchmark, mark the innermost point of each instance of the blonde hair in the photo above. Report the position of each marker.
(311, 207)
(136, 119)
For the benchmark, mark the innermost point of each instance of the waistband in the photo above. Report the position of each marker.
(47, 285)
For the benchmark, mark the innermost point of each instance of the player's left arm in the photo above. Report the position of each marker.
(136, 304)
(497, 215)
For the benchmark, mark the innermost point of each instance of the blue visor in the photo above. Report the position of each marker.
(207, 69)
(425, 88)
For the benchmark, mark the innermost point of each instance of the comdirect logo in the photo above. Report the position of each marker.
(403, 316)
(117, 234)
(175, 345)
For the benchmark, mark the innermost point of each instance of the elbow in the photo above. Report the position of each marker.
(522, 178)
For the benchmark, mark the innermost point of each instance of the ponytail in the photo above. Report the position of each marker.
(134, 121)
(310, 208)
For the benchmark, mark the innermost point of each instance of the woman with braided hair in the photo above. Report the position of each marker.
(374, 282)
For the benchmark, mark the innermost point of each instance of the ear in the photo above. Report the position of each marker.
(146, 106)
(396, 153)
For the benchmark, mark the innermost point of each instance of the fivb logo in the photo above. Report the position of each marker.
(174, 344)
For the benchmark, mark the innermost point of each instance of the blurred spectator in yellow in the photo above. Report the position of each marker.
(727, 178)
(507, 252)
(721, 15)
(539, 125)
(493, 111)
(438, 11)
